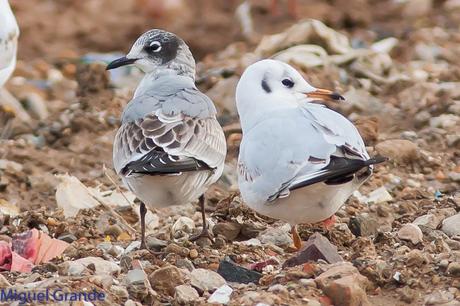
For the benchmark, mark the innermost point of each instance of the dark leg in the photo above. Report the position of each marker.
(205, 232)
(143, 211)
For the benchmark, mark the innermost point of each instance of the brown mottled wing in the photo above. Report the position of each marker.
(168, 144)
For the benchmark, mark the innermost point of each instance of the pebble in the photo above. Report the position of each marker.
(193, 253)
(221, 295)
(439, 298)
(279, 288)
(154, 243)
(136, 276)
(119, 291)
(308, 282)
(101, 266)
(428, 220)
(4, 283)
(363, 225)
(454, 269)
(113, 230)
(399, 150)
(445, 121)
(185, 295)
(344, 285)
(378, 195)
(166, 279)
(276, 236)
(10, 166)
(132, 246)
(184, 263)
(317, 247)
(230, 230)
(36, 106)
(69, 238)
(411, 232)
(451, 225)
(183, 225)
(231, 272)
(206, 280)
(177, 249)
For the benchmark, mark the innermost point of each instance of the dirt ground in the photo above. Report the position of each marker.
(405, 102)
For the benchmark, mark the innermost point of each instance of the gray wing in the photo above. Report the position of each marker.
(318, 145)
(168, 144)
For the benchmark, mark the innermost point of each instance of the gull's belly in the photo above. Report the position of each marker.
(310, 204)
(162, 191)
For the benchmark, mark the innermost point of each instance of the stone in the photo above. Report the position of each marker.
(221, 295)
(378, 195)
(445, 121)
(344, 285)
(363, 225)
(69, 238)
(119, 291)
(184, 263)
(206, 280)
(182, 226)
(36, 106)
(415, 258)
(410, 232)
(276, 236)
(99, 265)
(439, 298)
(230, 230)
(135, 276)
(185, 295)
(176, 249)
(113, 230)
(417, 8)
(4, 283)
(166, 279)
(154, 243)
(429, 220)
(454, 269)
(231, 272)
(316, 247)
(398, 150)
(451, 225)
(10, 166)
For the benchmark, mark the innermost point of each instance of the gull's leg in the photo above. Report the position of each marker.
(142, 212)
(205, 232)
(296, 238)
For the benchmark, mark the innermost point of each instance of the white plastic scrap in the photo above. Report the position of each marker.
(221, 295)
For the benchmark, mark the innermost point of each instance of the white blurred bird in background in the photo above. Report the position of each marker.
(9, 33)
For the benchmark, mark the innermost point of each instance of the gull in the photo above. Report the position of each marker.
(170, 147)
(299, 161)
(9, 33)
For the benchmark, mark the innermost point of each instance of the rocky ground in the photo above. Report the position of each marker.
(397, 64)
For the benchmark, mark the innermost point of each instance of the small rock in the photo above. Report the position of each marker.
(206, 280)
(308, 282)
(119, 291)
(276, 236)
(363, 225)
(230, 230)
(133, 246)
(250, 230)
(193, 253)
(411, 232)
(454, 268)
(183, 225)
(36, 105)
(398, 150)
(176, 249)
(184, 263)
(451, 225)
(231, 272)
(113, 230)
(155, 244)
(445, 121)
(428, 220)
(415, 258)
(439, 298)
(317, 247)
(4, 283)
(185, 295)
(104, 246)
(221, 295)
(101, 266)
(136, 276)
(417, 8)
(166, 279)
(378, 195)
(279, 288)
(69, 238)
(10, 166)
(344, 285)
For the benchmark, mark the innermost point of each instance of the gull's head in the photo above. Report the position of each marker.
(272, 81)
(158, 49)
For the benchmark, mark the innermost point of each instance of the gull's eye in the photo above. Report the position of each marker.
(154, 46)
(288, 83)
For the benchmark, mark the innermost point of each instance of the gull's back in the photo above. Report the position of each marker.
(9, 33)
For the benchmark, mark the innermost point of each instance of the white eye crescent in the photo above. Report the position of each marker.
(155, 46)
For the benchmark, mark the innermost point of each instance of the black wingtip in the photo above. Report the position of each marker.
(377, 160)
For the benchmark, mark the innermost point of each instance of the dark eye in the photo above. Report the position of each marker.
(288, 83)
(154, 46)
